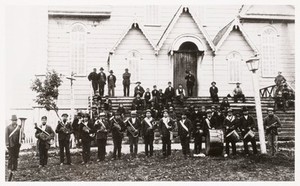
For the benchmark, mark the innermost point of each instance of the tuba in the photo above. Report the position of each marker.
(133, 131)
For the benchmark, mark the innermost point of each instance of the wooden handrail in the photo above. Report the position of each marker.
(269, 90)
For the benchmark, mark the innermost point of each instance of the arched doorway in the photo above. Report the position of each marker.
(186, 58)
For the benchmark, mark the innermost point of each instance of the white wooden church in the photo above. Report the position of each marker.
(158, 43)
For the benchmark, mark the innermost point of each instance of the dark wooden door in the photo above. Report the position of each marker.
(184, 60)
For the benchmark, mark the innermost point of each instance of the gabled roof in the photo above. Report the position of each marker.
(279, 12)
(174, 20)
(134, 25)
(224, 33)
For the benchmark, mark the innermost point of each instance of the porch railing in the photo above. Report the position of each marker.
(270, 91)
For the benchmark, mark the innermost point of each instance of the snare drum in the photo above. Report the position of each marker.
(214, 142)
(233, 136)
(250, 135)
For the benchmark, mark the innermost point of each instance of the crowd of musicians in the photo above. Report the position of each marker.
(151, 112)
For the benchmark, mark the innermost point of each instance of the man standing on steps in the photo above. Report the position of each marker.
(126, 83)
(169, 93)
(102, 81)
(111, 81)
(271, 124)
(213, 90)
(93, 76)
(190, 82)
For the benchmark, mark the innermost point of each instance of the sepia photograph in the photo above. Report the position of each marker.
(149, 92)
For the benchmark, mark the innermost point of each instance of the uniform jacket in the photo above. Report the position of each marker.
(213, 91)
(247, 124)
(136, 125)
(116, 132)
(114, 80)
(147, 96)
(279, 80)
(93, 76)
(268, 121)
(140, 90)
(101, 131)
(40, 140)
(224, 105)
(169, 93)
(230, 124)
(146, 131)
(155, 93)
(85, 136)
(102, 78)
(126, 78)
(181, 131)
(190, 80)
(138, 104)
(206, 126)
(14, 139)
(161, 98)
(61, 134)
(163, 130)
(196, 127)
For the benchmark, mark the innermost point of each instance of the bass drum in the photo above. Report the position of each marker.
(214, 142)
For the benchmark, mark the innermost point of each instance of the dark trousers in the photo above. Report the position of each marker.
(64, 144)
(101, 144)
(190, 90)
(149, 144)
(43, 153)
(253, 143)
(215, 98)
(86, 151)
(133, 144)
(95, 86)
(13, 153)
(117, 146)
(197, 143)
(237, 96)
(126, 89)
(101, 89)
(166, 145)
(233, 145)
(185, 144)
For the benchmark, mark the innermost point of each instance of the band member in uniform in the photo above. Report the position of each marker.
(102, 129)
(154, 110)
(247, 123)
(107, 103)
(12, 135)
(184, 132)
(166, 127)
(225, 104)
(133, 125)
(117, 129)
(154, 94)
(64, 130)
(102, 81)
(126, 83)
(147, 97)
(271, 124)
(209, 122)
(94, 78)
(214, 92)
(121, 110)
(87, 132)
(180, 94)
(148, 127)
(169, 93)
(75, 126)
(238, 93)
(161, 97)
(198, 133)
(190, 82)
(139, 90)
(44, 141)
(111, 82)
(138, 104)
(230, 124)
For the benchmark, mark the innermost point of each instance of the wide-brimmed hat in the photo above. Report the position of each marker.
(208, 111)
(238, 83)
(111, 71)
(138, 82)
(14, 118)
(44, 117)
(64, 114)
(229, 110)
(213, 83)
(148, 110)
(133, 112)
(101, 68)
(270, 109)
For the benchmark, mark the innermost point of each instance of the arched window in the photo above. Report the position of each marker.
(234, 60)
(78, 49)
(268, 52)
(134, 58)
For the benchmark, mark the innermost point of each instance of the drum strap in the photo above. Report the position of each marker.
(166, 123)
(208, 122)
(148, 122)
(102, 124)
(183, 125)
(12, 133)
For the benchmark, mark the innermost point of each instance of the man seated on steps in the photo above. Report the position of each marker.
(238, 93)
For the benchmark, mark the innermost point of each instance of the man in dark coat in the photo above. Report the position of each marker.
(126, 82)
(102, 129)
(247, 123)
(111, 82)
(225, 104)
(190, 82)
(169, 93)
(44, 141)
(102, 81)
(230, 124)
(184, 132)
(87, 132)
(214, 92)
(75, 127)
(138, 89)
(271, 124)
(197, 133)
(138, 103)
(148, 127)
(133, 124)
(12, 134)
(154, 94)
(64, 130)
(147, 97)
(166, 126)
(161, 97)
(93, 76)
(209, 122)
(117, 129)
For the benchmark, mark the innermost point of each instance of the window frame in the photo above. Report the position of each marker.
(152, 23)
(238, 62)
(135, 75)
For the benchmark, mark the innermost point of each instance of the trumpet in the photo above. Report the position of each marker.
(131, 129)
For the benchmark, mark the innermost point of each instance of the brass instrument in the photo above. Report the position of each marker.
(64, 128)
(45, 135)
(21, 135)
(116, 124)
(102, 126)
(133, 131)
(88, 130)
